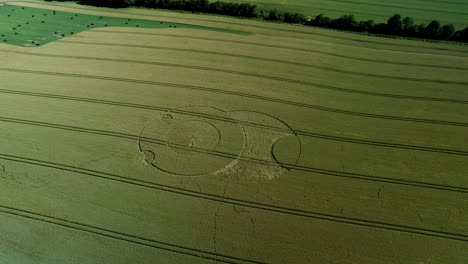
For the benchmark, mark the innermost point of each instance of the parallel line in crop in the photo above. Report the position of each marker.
(302, 168)
(284, 47)
(240, 202)
(419, 48)
(131, 238)
(434, 1)
(255, 57)
(297, 132)
(274, 27)
(256, 75)
(406, 7)
(230, 120)
(244, 95)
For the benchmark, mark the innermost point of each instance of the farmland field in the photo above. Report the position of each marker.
(424, 11)
(227, 141)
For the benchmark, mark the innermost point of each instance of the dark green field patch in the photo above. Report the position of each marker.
(32, 27)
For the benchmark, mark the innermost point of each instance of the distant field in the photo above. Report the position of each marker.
(447, 12)
(26, 26)
(289, 144)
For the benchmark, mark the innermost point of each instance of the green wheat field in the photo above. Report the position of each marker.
(145, 136)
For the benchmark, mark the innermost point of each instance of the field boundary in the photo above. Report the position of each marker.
(263, 27)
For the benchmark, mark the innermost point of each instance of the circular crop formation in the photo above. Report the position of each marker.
(192, 140)
(200, 140)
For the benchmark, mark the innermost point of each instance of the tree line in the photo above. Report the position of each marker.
(395, 26)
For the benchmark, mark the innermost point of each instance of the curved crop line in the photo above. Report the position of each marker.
(234, 156)
(297, 132)
(245, 95)
(240, 202)
(263, 27)
(256, 75)
(260, 58)
(122, 236)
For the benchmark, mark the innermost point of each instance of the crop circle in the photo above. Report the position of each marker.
(191, 141)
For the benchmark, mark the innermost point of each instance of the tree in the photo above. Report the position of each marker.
(432, 30)
(320, 21)
(420, 31)
(199, 5)
(248, 10)
(395, 25)
(447, 31)
(366, 26)
(346, 22)
(407, 23)
(461, 35)
(294, 18)
(380, 28)
(274, 15)
(408, 29)
(216, 7)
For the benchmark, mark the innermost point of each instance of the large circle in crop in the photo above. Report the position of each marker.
(193, 140)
